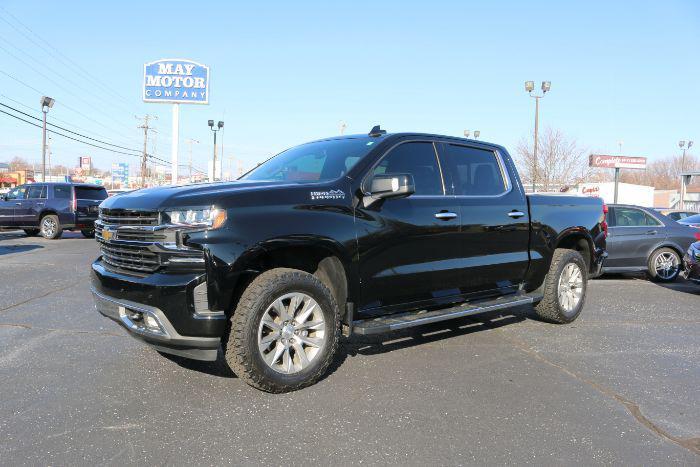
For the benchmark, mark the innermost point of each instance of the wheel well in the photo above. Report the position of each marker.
(323, 264)
(578, 243)
(670, 247)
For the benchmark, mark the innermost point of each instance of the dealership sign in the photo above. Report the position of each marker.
(176, 81)
(617, 162)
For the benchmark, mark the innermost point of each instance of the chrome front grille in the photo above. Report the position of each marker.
(130, 257)
(129, 217)
(134, 242)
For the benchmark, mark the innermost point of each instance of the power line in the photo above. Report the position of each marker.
(69, 131)
(63, 105)
(78, 140)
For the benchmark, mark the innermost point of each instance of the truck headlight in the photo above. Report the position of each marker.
(209, 218)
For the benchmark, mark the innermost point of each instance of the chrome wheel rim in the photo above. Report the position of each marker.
(666, 265)
(48, 226)
(570, 287)
(291, 333)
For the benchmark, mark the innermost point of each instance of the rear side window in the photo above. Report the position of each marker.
(417, 159)
(82, 192)
(36, 192)
(630, 217)
(475, 172)
(62, 192)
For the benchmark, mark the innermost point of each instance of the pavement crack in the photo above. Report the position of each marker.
(60, 289)
(692, 444)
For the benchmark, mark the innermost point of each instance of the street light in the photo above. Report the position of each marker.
(219, 126)
(529, 87)
(46, 104)
(468, 132)
(684, 146)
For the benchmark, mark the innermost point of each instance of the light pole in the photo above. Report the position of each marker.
(46, 104)
(529, 87)
(684, 146)
(218, 127)
(190, 142)
(477, 133)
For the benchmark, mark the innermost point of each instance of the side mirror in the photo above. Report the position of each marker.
(390, 186)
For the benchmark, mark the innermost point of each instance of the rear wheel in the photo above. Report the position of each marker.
(564, 287)
(31, 232)
(284, 332)
(88, 233)
(664, 265)
(50, 227)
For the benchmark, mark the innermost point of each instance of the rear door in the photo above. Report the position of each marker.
(494, 232)
(33, 205)
(632, 234)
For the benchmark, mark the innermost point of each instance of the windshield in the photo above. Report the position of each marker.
(314, 162)
(691, 219)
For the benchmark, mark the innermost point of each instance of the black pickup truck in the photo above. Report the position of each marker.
(357, 234)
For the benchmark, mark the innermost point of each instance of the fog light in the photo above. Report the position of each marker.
(151, 323)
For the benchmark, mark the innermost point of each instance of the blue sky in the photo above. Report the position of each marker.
(286, 72)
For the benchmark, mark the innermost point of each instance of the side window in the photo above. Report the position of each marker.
(36, 192)
(62, 192)
(475, 172)
(17, 193)
(630, 217)
(417, 159)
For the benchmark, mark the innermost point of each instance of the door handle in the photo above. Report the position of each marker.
(445, 216)
(18, 204)
(516, 214)
(39, 204)
(652, 232)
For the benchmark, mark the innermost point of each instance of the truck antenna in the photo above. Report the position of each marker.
(377, 131)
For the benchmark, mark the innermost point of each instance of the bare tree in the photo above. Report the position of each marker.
(662, 174)
(17, 163)
(561, 162)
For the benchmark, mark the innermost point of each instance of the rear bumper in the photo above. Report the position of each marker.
(159, 309)
(599, 260)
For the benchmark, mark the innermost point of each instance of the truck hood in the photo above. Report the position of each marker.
(207, 194)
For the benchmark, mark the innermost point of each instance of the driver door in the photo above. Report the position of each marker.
(9, 204)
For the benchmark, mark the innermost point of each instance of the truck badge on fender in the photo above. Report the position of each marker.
(332, 194)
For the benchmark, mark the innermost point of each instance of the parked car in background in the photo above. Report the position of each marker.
(691, 221)
(642, 239)
(676, 214)
(50, 208)
(691, 263)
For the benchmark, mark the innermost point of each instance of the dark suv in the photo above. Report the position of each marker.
(50, 208)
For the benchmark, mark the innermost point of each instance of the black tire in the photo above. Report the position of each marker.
(31, 232)
(88, 233)
(550, 307)
(50, 227)
(240, 343)
(663, 275)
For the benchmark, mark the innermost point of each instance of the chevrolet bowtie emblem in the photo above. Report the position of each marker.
(107, 235)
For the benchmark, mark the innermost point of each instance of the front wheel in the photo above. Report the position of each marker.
(50, 227)
(284, 332)
(564, 287)
(664, 265)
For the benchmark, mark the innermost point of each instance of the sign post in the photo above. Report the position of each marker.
(176, 81)
(617, 163)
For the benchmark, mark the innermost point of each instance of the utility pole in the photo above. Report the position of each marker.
(529, 87)
(190, 142)
(144, 156)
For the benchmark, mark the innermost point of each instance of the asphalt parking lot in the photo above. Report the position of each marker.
(620, 385)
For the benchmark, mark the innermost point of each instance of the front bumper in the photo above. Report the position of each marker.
(691, 265)
(161, 310)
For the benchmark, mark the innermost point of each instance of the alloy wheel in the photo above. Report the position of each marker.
(666, 265)
(570, 289)
(48, 227)
(291, 333)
